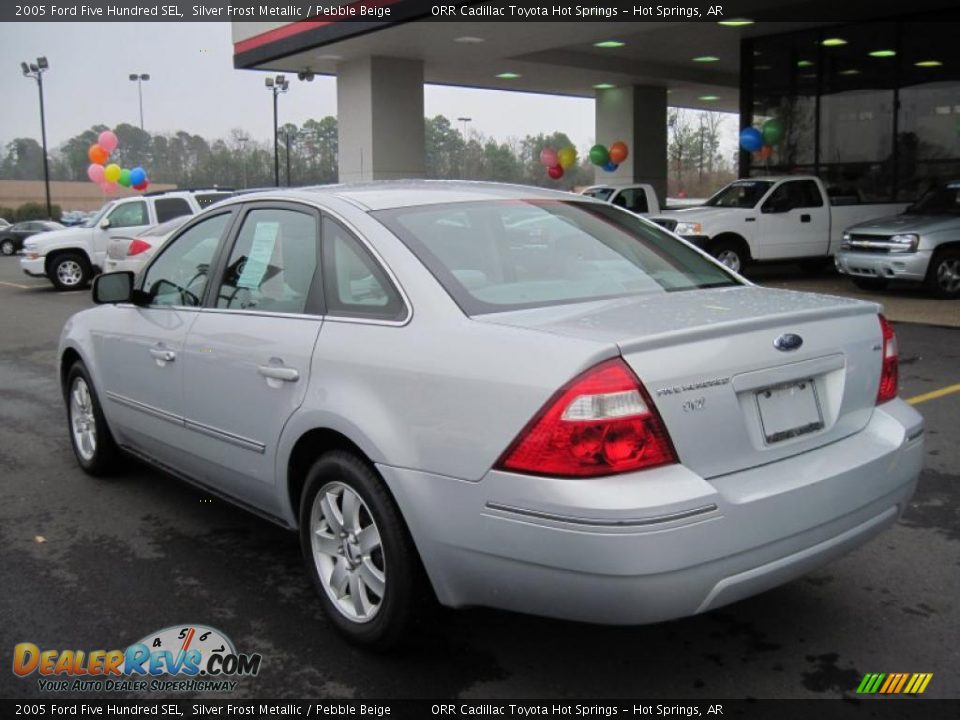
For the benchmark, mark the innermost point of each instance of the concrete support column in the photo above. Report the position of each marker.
(380, 119)
(638, 116)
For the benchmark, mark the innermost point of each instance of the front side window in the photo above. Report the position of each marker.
(129, 214)
(740, 194)
(634, 200)
(794, 195)
(561, 252)
(179, 274)
(273, 262)
(169, 208)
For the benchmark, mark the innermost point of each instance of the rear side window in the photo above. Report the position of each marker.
(169, 208)
(354, 284)
(493, 256)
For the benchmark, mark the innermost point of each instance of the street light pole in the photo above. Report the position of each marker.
(464, 120)
(36, 70)
(139, 79)
(277, 85)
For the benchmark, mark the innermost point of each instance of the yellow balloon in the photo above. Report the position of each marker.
(567, 157)
(111, 173)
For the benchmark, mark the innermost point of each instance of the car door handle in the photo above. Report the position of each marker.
(165, 355)
(278, 372)
(804, 218)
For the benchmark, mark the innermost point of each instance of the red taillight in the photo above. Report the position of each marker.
(890, 371)
(601, 423)
(137, 246)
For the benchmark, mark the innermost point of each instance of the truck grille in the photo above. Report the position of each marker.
(871, 244)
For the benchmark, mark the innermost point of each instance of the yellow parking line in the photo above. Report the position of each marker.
(10, 284)
(934, 394)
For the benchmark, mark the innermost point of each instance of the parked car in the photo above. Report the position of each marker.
(71, 257)
(921, 245)
(4, 223)
(13, 236)
(771, 218)
(605, 425)
(640, 198)
(132, 253)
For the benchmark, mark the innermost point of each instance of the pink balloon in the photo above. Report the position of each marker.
(95, 173)
(108, 187)
(548, 157)
(108, 141)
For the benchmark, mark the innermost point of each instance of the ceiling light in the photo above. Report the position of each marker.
(469, 40)
(805, 63)
(329, 57)
(509, 75)
(706, 59)
(882, 53)
(603, 86)
(735, 23)
(928, 63)
(851, 71)
(761, 67)
(833, 42)
(709, 98)
(607, 44)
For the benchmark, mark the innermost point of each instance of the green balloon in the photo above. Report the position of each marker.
(772, 131)
(124, 178)
(599, 155)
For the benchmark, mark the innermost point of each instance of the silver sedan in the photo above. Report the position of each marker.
(497, 396)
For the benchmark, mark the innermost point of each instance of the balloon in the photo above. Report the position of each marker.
(95, 173)
(111, 186)
(137, 176)
(599, 155)
(567, 157)
(108, 141)
(610, 166)
(140, 186)
(751, 139)
(111, 173)
(618, 152)
(555, 171)
(548, 157)
(772, 131)
(124, 179)
(97, 154)
(764, 153)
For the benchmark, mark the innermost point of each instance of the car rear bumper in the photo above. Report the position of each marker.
(898, 266)
(661, 544)
(33, 267)
(111, 265)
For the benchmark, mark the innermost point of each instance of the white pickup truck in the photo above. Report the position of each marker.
(640, 199)
(70, 258)
(772, 218)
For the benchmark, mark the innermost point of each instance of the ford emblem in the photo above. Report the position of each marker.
(788, 342)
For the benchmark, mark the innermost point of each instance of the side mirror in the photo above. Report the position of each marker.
(105, 223)
(115, 287)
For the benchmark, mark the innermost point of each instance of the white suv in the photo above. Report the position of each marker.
(71, 257)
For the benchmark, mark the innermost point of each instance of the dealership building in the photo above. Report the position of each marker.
(871, 105)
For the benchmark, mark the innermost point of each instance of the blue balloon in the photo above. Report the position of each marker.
(751, 139)
(610, 166)
(137, 176)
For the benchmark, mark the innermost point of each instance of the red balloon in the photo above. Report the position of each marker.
(97, 155)
(555, 171)
(141, 186)
(618, 152)
(764, 153)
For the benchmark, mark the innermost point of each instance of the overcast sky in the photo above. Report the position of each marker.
(194, 87)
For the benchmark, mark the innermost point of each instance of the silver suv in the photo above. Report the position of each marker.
(920, 245)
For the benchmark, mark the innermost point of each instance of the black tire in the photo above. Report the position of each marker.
(814, 266)
(943, 275)
(731, 254)
(405, 593)
(104, 455)
(69, 271)
(868, 283)
(8, 247)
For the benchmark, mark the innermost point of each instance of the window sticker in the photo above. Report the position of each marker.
(255, 267)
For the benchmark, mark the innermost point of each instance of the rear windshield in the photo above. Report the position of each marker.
(493, 256)
(740, 194)
(600, 193)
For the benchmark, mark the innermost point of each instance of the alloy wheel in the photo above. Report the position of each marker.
(69, 272)
(347, 552)
(730, 259)
(7, 247)
(82, 420)
(948, 275)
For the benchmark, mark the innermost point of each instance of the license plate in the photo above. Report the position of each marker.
(789, 410)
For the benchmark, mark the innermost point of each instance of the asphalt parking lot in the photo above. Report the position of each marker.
(88, 563)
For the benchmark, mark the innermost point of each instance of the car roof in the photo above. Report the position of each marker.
(389, 194)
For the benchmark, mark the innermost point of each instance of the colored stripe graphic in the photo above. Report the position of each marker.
(894, 683)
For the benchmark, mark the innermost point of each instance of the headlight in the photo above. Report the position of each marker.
(905, 243)
(685, 228)
(845, 243)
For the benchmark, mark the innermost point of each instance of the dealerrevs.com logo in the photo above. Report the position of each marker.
(180, 658)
